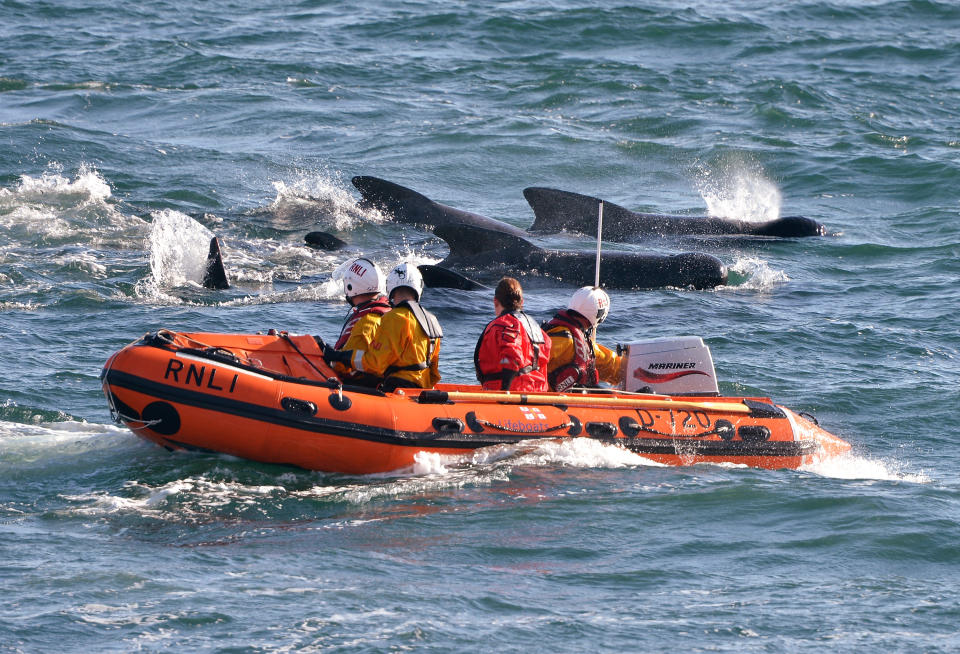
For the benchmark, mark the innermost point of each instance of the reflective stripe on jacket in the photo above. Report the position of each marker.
(401, 347)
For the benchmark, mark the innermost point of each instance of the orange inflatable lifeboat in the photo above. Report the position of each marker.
(272, 398)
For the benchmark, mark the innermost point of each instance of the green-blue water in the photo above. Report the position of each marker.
(123, 128)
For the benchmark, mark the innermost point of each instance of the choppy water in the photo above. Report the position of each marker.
(128, 134)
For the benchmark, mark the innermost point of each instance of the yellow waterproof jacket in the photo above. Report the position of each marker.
(360, 337)
(399, 342)
(609, 363)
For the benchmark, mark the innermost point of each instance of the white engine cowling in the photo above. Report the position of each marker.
(681, 365)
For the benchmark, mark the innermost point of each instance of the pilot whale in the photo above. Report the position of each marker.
(485, 245)
(557, 210)
(488, 251)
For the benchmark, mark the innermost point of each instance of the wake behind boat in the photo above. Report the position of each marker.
(271, 398)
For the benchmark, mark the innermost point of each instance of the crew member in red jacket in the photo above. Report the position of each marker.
(512, 353)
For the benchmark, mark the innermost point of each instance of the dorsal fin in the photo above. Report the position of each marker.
(557, 210)
(469, 241)
(214, 274)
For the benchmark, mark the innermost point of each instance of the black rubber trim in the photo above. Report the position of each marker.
(315, 425)
(777, 449)
(764, 410)
(444, 440)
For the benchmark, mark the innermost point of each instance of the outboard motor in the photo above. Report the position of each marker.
(681, 365)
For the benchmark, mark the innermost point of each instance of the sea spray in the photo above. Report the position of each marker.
(739, 190)
(178, 248)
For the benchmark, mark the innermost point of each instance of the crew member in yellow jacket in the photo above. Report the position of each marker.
(405, 350)
(363, 290)
(576, 359)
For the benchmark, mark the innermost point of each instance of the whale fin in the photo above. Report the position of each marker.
(404, 204)
(471, 242)
(557, 210)
(440, 277)
(324, 241)
(214, 274)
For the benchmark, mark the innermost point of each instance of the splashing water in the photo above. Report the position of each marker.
(851, 466)
(754, 274)
(53, 188)
(53, 209)
(571, 452)
(178, 249)
(740, 191)
(318, 200)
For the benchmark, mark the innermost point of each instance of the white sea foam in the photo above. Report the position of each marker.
(50, 446)
(754, 274)
(53, 208)
(570, 452)
(52, 188)
(188, 497)
(852, 466)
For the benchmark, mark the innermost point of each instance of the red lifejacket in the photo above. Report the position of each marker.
(582, 371)
(378, 305)
(512, 333)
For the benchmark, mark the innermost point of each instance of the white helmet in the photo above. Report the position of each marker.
(405, 274)
(592, 303)
(362, 276)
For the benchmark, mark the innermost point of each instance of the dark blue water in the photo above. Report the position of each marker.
(129, 135)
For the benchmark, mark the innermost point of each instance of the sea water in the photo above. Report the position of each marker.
(129, 134)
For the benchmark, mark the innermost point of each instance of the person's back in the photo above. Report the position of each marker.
(406, 347)
(576, 359)
(512, 352)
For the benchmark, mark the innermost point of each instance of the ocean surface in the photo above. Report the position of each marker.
(131, 132)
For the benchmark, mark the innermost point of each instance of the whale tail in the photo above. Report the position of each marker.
(214, 274)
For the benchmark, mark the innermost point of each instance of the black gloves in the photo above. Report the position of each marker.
(330, 355)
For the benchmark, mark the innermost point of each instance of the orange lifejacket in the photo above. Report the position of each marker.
(512, 354)
(582, 371)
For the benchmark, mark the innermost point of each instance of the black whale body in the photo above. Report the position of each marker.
(487, 251)
(489, 246)
(557, 210)
(407, 206)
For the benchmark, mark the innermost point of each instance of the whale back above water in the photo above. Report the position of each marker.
(406, 206)
(557, 210)
(486, 251)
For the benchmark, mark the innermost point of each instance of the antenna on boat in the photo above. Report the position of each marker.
(596, 268)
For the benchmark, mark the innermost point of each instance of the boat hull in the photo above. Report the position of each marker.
(271, 398)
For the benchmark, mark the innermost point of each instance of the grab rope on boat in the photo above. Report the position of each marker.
(285, 336)
(493, 425)
(115, 414)
(709, 432)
